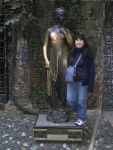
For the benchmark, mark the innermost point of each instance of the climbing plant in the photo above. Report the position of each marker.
(31, 19)
(74, 16)
(77, 20)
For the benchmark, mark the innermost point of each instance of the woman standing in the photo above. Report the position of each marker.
(83, 82)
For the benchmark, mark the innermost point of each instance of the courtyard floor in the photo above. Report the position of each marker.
(16, 133)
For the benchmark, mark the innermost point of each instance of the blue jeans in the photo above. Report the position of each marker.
(77, 95)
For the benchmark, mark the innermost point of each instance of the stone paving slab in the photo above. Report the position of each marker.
(84, 145)
(104, 136)
(108, 116)
(16, 134)
(16, 131)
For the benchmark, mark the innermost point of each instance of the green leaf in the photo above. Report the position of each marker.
(1, 29)
(13, 20)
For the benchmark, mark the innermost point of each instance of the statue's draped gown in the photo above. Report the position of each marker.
(58, 64)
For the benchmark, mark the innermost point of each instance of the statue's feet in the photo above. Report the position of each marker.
(57, 116)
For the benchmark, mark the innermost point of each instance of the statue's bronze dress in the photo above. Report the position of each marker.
(60, 39)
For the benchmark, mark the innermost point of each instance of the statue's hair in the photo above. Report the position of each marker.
(60, 9)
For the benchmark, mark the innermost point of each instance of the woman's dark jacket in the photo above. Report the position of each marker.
(88, 66)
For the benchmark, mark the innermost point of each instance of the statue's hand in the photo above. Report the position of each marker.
(62, 30)
(47, 65)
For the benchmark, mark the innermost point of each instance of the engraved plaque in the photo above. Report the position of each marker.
(57, 131)
(57, 137)
(40, 133)
(74, 134)
(48, 131)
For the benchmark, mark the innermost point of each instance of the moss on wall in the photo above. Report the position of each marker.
(81, 17)
(33, 19)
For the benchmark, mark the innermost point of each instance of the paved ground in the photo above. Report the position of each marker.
(104, 136)
(16, 133)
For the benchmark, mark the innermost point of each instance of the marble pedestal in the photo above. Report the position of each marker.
(45, 130)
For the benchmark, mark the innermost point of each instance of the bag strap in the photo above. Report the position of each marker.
(77, 60)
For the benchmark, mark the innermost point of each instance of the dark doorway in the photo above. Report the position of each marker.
(108, 57)
(3, 65)
(3, 60)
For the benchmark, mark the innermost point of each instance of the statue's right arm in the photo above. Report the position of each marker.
(68, 35)
(45, 48)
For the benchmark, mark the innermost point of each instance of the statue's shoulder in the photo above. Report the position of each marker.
(49, 30)
(65, 29)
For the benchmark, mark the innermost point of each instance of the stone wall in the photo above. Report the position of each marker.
(108, 58)
(94, 20)
(22, 84)
(93, 27)
(30, 75)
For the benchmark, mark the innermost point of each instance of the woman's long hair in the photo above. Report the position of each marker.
(82, 37)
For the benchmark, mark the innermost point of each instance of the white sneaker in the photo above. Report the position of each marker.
(79, 122)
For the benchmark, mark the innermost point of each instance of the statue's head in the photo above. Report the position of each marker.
(59, 14)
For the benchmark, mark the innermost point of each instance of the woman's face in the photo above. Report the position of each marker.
(79, 43)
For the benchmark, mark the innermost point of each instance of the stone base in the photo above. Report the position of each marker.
(2, 106)
(10, 107)
(58, 116)
(44, 130)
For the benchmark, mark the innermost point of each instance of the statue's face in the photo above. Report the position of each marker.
(60, 13)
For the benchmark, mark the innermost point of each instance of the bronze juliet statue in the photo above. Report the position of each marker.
(60, 39)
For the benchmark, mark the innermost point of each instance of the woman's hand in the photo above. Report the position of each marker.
(89, 94)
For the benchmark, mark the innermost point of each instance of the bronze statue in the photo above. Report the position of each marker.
(60, 39)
